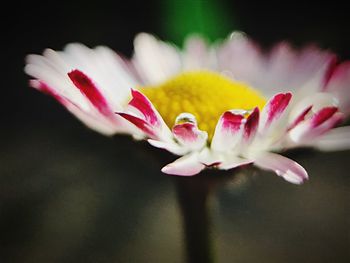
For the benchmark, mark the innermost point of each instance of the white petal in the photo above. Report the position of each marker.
(94, 123)
(102, 65)
(299, 71)
(335, 140)
(155, 60)
(290, 170)
(40, 69)
(105, 67)
(283, 69)
(115, 78)
(52, 70)
(240, 58)
(233, 162)
(169, 146)
(196, 54)
(211, 158)
(187, 165)
(220, 160)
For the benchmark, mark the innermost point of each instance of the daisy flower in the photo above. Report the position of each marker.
(220, 106)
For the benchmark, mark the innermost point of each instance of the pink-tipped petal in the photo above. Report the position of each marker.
(300, 117)
(189, 136)
(141, 103)
(251, 125)
(88, 88)
(329, 72)
(228, 131)
(322, 116)
(231, 122)
(186, 132)
(275, 107)
(321, 122)
(139, 123)
(187, 165)
(339, 74)
(146, 117)
(338, 85)
(274, 120)
(290, 170)
(327, 125)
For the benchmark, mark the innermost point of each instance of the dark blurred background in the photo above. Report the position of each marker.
(68, 194)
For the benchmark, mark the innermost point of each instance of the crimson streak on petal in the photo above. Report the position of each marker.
(140, 102)
(88, 88)
(231, 122)
(139, 123)
(300, 118)
(277, 105)
(251, 124)
(185, 131)
(323, 115)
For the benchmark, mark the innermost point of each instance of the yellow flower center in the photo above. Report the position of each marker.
(204, 94)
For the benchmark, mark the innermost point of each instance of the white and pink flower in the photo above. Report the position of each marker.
(307, 95)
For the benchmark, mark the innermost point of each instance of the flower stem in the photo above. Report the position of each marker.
(193, 195)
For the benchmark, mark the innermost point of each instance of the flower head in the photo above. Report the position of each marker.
(220, 106)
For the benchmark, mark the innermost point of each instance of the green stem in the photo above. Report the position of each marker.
(193, 194)
(211, 18)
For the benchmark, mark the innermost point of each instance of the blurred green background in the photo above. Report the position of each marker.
(68, 194)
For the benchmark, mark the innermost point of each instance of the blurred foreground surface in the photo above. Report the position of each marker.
(75, 196)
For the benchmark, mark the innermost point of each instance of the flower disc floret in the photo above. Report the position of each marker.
(204, 94)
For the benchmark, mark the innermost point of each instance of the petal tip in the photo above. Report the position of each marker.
(184, 166)
(171, 170)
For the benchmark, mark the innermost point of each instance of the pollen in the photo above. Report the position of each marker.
(204, 94)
